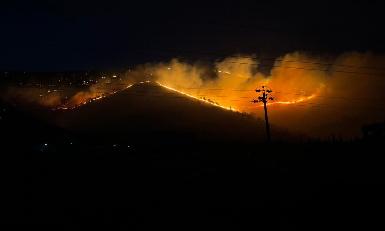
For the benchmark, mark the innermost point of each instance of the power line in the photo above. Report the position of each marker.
(312, 69)
(280, 92)
(316, 63)
(277, 59)
(247, 90)
(326, 69)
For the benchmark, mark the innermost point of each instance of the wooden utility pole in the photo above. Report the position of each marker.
(264, 98)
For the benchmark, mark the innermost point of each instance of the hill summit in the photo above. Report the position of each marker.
(151, 110)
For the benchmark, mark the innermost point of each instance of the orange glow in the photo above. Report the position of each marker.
(313, 96)
(197, 98)
(88, 98)
(300, 100)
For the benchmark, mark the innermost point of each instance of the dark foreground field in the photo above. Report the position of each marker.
(173, 181)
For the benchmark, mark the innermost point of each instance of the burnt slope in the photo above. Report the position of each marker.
(148, 110)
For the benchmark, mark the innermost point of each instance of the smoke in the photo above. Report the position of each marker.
(316, 95)
(33, 96)
(320, 96)
(102, 88)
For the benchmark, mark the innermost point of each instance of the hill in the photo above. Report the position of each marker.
(149, 111)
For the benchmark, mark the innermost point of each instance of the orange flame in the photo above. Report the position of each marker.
(66, 106)
(300, 100)
(196, 98)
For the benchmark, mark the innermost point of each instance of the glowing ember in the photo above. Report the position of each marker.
(89, 100)
(303, 99)
(196, 98)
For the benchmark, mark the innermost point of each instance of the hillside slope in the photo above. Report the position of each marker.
(146, 110)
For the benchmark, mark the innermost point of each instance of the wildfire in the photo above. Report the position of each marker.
(68, 106)
(196, 98)
(89, 100)
(302, 99)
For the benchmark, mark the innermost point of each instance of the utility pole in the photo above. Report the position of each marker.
(264, 98)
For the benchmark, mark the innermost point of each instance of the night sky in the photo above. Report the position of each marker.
(48, 35)
(150, 114)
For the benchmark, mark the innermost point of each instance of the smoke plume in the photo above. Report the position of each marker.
(316, 95)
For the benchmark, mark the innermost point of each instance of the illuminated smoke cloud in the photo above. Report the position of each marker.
(37, 96)
(315, 95)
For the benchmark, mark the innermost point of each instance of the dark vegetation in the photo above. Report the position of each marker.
(147, 111)
(162, 178)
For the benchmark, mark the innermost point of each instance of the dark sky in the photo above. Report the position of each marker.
(54, 35)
